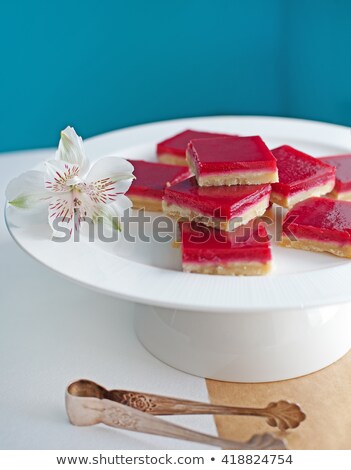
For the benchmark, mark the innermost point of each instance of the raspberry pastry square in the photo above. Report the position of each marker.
(151, 180)
(342, 188)
(228, 161)
(225, 207)
(243, 252)
(319, 224)
(300, 177)
(173, 149)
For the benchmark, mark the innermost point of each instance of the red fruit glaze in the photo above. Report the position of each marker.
(231, 154)
(222, 202)
(321, 219)
(151, 178)
(298, 171)
(201, 244)
(177, 144)
(342, 163)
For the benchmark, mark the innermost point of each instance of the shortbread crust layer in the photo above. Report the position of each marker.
(147, 203)
(342, 250)
(340, 195)
(182, 212)
(290, 201)
(231, 161)
(229, 269)
(301, 176)
(170, 159)
(232, 178)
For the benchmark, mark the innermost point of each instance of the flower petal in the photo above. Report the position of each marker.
(122, 204)
(60, 175)
(107, 178)
(71, 149)
(28, 217)
(28, 191)
(61, 214)
(110, 214)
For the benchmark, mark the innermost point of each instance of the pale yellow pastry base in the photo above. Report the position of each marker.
(229, 269)
(343, 251)
(269, 213)
(147, 203)
(233, 178)
(178, 212)
(343, 196)
(289, 202)
(170, 159)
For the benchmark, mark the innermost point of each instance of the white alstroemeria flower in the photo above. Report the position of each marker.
(71, 190)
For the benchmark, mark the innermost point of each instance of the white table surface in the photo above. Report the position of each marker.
(53, 332)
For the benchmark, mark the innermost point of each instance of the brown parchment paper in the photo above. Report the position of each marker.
(324, 396)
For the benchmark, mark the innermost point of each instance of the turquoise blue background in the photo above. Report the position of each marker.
(102, 65)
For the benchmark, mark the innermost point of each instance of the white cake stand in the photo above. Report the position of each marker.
(248, 329)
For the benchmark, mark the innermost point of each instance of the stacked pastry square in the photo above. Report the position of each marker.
(235, 179)
(231, 188)
(321, 224)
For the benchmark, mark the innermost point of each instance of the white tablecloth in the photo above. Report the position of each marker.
(53, 332)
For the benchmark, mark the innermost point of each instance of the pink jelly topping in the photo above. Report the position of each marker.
(228, 154)
(177, 144)
(298, 171)
(202, 244)
(223, 202)
(342, 163)
(151, 179)
(321, 219)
